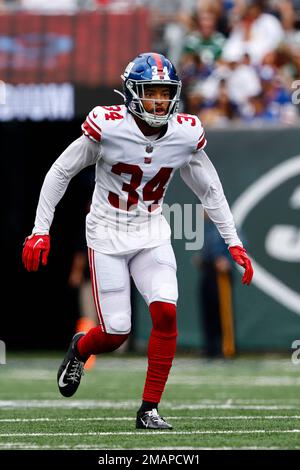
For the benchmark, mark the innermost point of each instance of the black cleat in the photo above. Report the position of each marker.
(151, 420)
(71, 369)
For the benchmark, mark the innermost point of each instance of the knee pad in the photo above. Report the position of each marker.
(164, 255)
(118, 323)
(167, 292)
(164, 283)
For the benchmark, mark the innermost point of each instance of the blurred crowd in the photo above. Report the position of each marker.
(239, 60)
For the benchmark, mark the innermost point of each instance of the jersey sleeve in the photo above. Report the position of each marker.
(192, 131)
(78, 155)
(92, 125)
(201, 176)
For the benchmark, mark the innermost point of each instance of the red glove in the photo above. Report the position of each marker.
(239, 255)
(34, 246)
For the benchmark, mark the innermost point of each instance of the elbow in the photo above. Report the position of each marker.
(59, 172)
(213, 197)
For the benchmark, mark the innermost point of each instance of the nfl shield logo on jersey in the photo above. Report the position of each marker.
(149, 148)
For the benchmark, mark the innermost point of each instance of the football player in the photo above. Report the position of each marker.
(136, 148)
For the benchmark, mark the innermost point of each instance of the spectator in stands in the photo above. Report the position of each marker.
(257, 32)
(273, 104)
(236, 77)
(205, 40)
(194, 70)
(170, 22)
(243, 80)
(290, 19)
(221, 111)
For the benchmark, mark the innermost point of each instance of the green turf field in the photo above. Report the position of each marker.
(245, 403)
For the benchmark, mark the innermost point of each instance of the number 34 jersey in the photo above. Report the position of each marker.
(132, 175)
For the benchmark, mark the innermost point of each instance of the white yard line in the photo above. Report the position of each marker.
(138, 433)
(186, 379)
(25, 445)
(178, 418)
(229, 404)
(241, 381)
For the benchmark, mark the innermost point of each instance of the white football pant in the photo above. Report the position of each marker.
(153, 271)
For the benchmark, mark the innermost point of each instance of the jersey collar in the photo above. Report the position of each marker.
(163, 134)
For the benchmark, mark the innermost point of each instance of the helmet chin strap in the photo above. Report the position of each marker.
(150, 119)
(154, 122)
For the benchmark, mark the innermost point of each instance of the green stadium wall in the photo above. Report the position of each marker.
(260, 172)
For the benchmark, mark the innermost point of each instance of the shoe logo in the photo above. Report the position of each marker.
(61, 382)
(94, 115)
(38, 241)
(144, 423)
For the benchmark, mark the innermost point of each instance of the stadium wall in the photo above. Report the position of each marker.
(260, 172)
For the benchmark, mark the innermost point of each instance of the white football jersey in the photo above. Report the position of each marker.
(132, 176)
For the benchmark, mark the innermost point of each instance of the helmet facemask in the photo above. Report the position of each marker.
(136, 88)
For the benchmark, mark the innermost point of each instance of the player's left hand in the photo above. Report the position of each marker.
(34, 246)
(239, 255)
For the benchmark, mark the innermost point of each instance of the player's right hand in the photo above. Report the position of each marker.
(35, 246)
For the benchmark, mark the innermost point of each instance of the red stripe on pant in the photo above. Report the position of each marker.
(97, 340)
(91, 255)
(161, 349)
